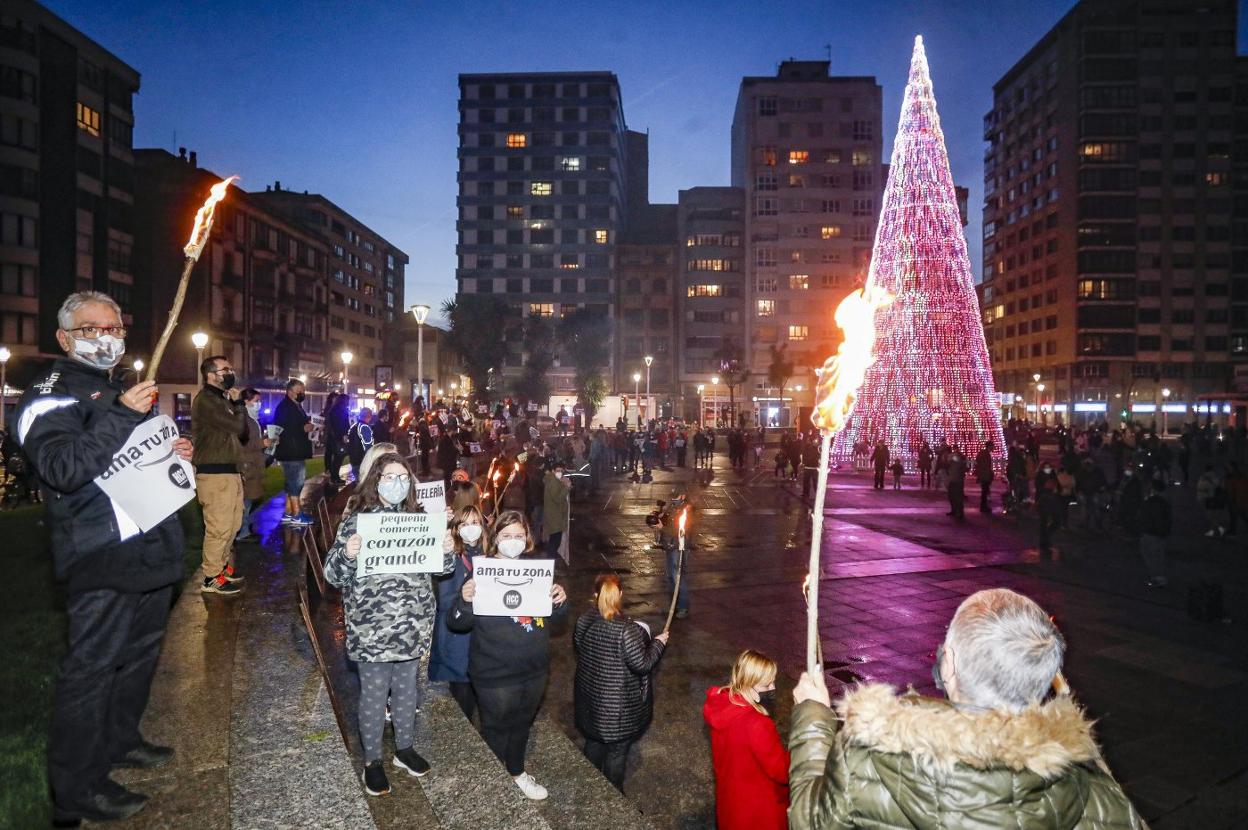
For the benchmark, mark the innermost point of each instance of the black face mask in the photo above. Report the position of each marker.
(300, 397)
(227, 380)
(767, 700)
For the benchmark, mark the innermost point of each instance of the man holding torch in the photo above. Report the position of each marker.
(118, 580)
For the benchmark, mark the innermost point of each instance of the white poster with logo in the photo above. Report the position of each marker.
(512, 587)
(431, 495)
(146, 479)
(400, 543)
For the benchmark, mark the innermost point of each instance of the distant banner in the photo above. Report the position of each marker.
(146, 479)
(512, 587)
(400, 543)
(432, 496)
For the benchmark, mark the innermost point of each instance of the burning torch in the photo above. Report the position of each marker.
(680, 566)
(195, 247)
(839, 379)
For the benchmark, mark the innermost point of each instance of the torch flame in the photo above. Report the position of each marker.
(684, 515)
(497, 473)
(844, 372)
(203, 219)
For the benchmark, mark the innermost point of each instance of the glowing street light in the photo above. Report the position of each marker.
(1165, 415)
(649, 359)
(421, 313)
(5, 354)
(714, 399)
(701, 403)
(199, 340)
(347, 357)
(637, 395)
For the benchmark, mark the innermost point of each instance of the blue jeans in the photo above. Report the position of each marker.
(294, 472)
(245, 527)
(673, 562)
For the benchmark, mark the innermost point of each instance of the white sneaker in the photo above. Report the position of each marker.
(530, 788)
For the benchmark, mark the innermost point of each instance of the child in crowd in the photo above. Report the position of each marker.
(508, 659)
(897, 470)
(449, 658)
(389, 620)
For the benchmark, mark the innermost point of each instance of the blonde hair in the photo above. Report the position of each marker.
(374, 452)
(608, 595)
(751, 669)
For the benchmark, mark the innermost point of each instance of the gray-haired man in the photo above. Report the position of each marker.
(118, 590)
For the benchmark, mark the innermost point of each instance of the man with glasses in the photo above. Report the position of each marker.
(118, 581)
(217, 422)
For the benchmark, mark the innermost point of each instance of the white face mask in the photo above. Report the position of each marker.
(510, 548)
(470, 533)
(253, 409)
(100, 353)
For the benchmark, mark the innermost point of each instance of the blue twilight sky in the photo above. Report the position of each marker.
(356, 99)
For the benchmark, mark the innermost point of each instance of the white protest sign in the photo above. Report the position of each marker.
(146, 479)
(474, 448)
(431, 495)
(512, 587)
(400, 543)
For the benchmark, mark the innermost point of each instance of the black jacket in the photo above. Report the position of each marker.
(614, 659)
(1155, 516)
(505, 651)
(293, 444)
(70, 423)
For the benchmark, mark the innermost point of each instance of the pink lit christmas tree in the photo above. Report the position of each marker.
(931, 379)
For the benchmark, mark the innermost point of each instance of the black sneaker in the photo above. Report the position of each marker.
(410, 760)
(231, 576)
(375, 781)
(145, 756)
(110, 802)
(219, 585)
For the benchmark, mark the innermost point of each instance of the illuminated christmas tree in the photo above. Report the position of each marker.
(931, 378)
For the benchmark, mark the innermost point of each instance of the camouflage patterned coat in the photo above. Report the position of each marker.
(389, 617)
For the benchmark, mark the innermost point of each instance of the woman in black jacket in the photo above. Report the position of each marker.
(508, 659)
(615, 656)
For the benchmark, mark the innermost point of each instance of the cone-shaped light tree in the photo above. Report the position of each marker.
(931, 379)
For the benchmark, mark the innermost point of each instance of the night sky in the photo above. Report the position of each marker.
(357, 100)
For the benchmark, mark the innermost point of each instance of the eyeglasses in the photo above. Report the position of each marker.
(396, 478)
(93, 332)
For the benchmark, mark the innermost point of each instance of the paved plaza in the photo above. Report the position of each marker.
(1166, 690)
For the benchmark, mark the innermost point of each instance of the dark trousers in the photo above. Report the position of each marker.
(1050, 520)
(957, 499)
(879, 477)
(507, 714)
(465, 697)
(676, 562)
(985, 488)
(102, 688)
(333, 458)
(810, 477)
(925, 477)
(552, 544)
(609, 758)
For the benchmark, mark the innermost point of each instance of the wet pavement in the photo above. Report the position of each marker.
(1166, 690)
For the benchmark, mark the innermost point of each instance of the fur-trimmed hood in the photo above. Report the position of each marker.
(1045, 739)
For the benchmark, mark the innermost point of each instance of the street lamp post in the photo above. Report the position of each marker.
(1035, 379)
(701, 404)
(1040, 402)
(1165, 415)
(346, 371)
(714, 401)
(649, 410)
(637, 395)
(199, 340)
(421, 313)
(5, 354)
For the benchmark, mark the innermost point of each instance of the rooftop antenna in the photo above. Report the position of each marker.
(828, 48)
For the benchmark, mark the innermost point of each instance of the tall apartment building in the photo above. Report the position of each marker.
(259, 291)
(711, 290)
(365, 279)
(647, 273)
(807, 152)
(1108, 210)
(543, 191)
(66, 177)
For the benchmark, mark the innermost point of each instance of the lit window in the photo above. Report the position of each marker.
(541, 188)
(570, 164)
(799, 156)
(517, 140)
(766, 308)
(515, 211)
(541, 309)
(88, 120)
(862, 157)
(798, 332)
(705, 290)
(600, 236)
(1215, 179)
(799, 282)
(767, 156)
(830, 231)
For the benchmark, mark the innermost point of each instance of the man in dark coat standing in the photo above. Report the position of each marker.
(118, 580)
(294, 448)
(957, 484)
(880, 458)
(983, 474)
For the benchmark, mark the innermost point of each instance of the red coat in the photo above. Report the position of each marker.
(751, 766)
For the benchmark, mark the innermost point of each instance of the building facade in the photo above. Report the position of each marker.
(711, 288)
(543, 191)
(365, 279)
(67, 219)
(807, 153)
(1108, 182)
(646, 278)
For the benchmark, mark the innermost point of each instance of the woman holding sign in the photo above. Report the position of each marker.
(449, 658)
(508, 658)
(389, 618)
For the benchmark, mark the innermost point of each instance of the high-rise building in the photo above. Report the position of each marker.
(711, 289)
(66, 177)
(807, 152)
(646, 278)
(543, 191)
(1108, 213)
(365, 278)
